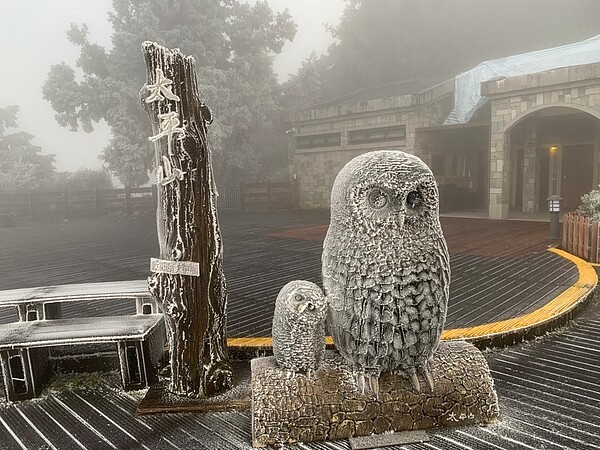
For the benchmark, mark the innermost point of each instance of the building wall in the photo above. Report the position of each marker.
(515, 98)
(315, 169)
(314, 175)
(510, 100)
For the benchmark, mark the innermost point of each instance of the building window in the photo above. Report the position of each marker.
(319, 140)
(372, 135)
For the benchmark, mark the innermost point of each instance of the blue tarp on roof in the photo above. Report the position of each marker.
(467, 85)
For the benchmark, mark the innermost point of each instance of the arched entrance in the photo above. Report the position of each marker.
(552, 151)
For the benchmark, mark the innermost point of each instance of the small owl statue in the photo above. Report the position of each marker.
(299, 327)
(386, 270)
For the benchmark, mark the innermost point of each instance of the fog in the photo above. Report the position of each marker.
(33, 34)
(380, 42)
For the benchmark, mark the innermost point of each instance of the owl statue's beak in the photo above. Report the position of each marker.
(400, 219)
(304, 307)
(310, 306)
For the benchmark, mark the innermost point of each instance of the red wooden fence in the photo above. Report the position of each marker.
(581, 236)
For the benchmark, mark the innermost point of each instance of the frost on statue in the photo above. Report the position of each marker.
(386, 269)
(386, 275)
(299, 327)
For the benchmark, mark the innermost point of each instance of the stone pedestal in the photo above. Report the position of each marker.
(288, 408)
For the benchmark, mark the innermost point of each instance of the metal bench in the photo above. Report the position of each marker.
(24, 345)
(42, 303)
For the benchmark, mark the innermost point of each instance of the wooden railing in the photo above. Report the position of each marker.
(269, 196)
(581, 236)
(229, 197)
(65, 204)
(39, 205)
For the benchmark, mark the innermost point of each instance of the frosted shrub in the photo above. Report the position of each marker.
(590, 205)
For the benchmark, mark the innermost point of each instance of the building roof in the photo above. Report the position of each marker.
(385, 90)
(467, 85)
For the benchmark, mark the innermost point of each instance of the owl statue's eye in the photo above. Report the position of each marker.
(298, 297)
(414, 199)
(377, 198)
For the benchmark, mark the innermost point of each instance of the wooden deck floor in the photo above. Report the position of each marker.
(500, 269)
(548, 393)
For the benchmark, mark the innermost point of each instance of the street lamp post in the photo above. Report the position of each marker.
(554, 209)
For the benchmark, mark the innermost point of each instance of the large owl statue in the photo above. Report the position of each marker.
(299, 326)
(386, 270)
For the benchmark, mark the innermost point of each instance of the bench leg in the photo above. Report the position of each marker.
(154, 352)
(39, 311)
(140, 360)
(25, 372)
(131, 360)
(30, 312)
(145, 305)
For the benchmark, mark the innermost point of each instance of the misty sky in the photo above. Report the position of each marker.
(33, 38)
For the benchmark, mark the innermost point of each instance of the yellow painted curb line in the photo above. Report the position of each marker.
(562, 304)
(250, 342)
(260, 342)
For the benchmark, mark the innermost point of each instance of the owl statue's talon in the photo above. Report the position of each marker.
(374, 385)
(414, 380)
(360, 381)
(429, 379)
(367, 383)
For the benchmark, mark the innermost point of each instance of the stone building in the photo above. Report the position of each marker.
(500, 138)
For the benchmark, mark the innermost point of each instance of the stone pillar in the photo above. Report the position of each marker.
(531, 185)
(499, 175)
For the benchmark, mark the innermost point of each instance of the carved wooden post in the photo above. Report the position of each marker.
(188, 278)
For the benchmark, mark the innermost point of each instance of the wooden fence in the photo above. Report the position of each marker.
(269, 196)
(229, 197)
(38, 205)
(581, 237)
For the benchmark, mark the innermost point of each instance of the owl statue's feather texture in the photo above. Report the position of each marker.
(386, 270)
(299, 326)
